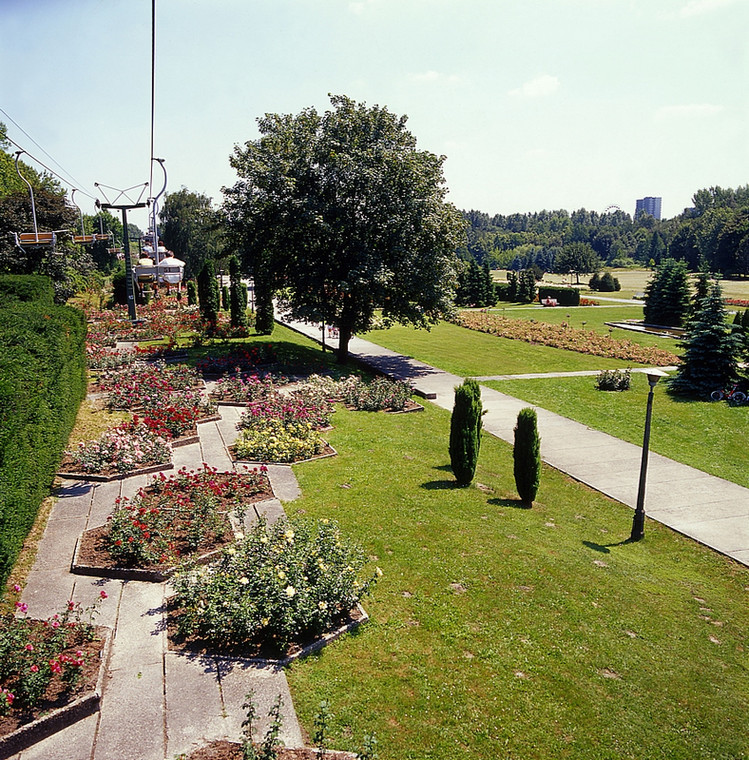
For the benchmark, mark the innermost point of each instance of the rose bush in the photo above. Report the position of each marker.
(272, 440)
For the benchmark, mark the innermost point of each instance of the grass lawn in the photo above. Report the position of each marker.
(501, 632)
(467, 352)
(713, 437)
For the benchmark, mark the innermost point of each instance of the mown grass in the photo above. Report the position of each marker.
(471, 353)
(713, 437)
(501, 632)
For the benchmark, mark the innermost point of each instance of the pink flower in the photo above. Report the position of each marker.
(16, 588)
(103, 594)
(22, 606)
(34, 668)
(29, 647)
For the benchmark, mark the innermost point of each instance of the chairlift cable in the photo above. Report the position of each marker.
(153, 90)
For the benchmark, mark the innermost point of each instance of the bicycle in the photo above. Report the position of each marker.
(732, 394)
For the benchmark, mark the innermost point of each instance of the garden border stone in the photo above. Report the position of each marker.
(29, 734)
(99, 478)
(257, 462)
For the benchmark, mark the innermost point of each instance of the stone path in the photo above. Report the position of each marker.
(156, 704)
(712, 511)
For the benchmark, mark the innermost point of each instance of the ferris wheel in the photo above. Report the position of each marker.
(610, 209)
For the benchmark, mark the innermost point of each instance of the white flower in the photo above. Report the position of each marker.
(322, 605)
(244, 581)
(290, 591)
(239, 536)
(378, 572)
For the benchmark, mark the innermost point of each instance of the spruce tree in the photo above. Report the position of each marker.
(465, 431)
(667, 295)
(208, 294)
(237, 296)
(192, 293)
(712, 349)
(526, 455)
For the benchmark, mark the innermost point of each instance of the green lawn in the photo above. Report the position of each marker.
(501, 632)
(467, 352)
(712, 437)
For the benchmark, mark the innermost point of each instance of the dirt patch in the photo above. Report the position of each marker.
(225, 750)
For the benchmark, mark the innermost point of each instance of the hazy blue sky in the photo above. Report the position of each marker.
(536, 103)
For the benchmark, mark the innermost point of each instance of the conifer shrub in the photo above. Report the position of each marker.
(208, 294)
(465, 431)
(224, 298)
(192, 293)
(527, 456)
(237, 295)
(264, 316)
(26, 287)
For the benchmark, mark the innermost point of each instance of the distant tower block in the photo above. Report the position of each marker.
(650, 206)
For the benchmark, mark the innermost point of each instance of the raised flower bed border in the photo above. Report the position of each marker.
(331, 452)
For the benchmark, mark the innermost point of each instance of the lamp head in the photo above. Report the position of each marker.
(654, 375)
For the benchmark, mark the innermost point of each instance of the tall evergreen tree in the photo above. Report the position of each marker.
(712, 350)
(526, 456)
(465, 431)
(208, 293)
(237, 296)
(667, 299)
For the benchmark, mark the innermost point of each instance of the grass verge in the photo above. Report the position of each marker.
(504, 632)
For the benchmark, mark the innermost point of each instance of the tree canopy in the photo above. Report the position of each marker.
(345, 216)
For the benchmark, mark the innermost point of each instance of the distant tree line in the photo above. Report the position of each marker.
(715, 233)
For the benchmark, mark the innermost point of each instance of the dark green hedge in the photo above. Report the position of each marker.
(26, 287)
(564, 296)
(42, 382)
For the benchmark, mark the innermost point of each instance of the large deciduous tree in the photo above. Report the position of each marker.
(577, 259)
(343, 216)
(191, 228)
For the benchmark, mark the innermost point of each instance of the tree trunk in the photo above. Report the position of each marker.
(344, 336)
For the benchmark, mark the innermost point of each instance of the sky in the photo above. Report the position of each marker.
(536, 104)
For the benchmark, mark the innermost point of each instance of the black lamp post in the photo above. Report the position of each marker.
(638, 521)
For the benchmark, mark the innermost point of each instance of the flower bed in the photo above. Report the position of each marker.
(379, 394)
(289, 410)
(241, 389)
(120, 450)
(174, 517)
(278, 585)
(272, 440)
(242, 358)
(144, 382)
(44, 665)
(565, 337)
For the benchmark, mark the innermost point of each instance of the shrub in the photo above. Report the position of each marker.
(224, 298)
(564, 296)
(377, 395)
(667, 300)
(26, 287)
(527, 456)
(192, 293)
(465, 431)
(279, 584)
(208, 293)
(237, 295)
(613, 380)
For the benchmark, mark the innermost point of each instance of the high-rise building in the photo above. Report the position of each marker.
(650, 206)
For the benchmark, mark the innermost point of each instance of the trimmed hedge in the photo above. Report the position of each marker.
(42, 382)
(26, 287)
(564, 296)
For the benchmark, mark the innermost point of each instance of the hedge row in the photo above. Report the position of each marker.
(563, 296)
(42, 382)
(26, 287)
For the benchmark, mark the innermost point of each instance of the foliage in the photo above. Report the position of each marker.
(17, 287)
(526, 456)
(264, 310)
(174, 515)
(613, 380)
(272, 440)
(576, 258)
(564, 336)
(347, 216)
(42, 382)
(605, 283)
(242, 357)
(711, 350)
(281, 583)
(192, 293)
(289, 409)
(475, 285)
(242, 389)
(465, 431)
(667, 299)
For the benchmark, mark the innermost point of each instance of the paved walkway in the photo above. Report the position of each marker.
(156, 703)
(713, 511)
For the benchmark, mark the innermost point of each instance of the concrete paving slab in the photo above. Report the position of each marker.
(87, 592)
(194, 709)
(47, 592)
(708, 510)
(212, 447)
(271, 509)
(103, 503)
(186, 456)
(727, 534)
(72, 743)
(583, 456)
(73, 500)
(238, 677)
(695, 491)
(284, 482)
(56, 548)
(132, 714)
(227, 425)
(140, 636)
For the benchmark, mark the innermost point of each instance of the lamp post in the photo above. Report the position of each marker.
(638, 521)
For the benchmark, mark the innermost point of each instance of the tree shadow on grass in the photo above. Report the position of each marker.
(604, 548)
(440, 485)
(514, 503)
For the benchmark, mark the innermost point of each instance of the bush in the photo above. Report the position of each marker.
(465, 431)
(192, 293)
(224, 298)
(279, 584)
(527, 456)
(613, 380)
(564, 296)
(272, 440)
(605, 283)
(208, 294)
(26, 287)
(237, 296)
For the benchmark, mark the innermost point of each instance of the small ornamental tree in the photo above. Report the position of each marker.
(208, 294)
(224, 298)
(527, 456)
(465, 431)
(711, 350)
(192, 293)
(237, 296)
(667, 299)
